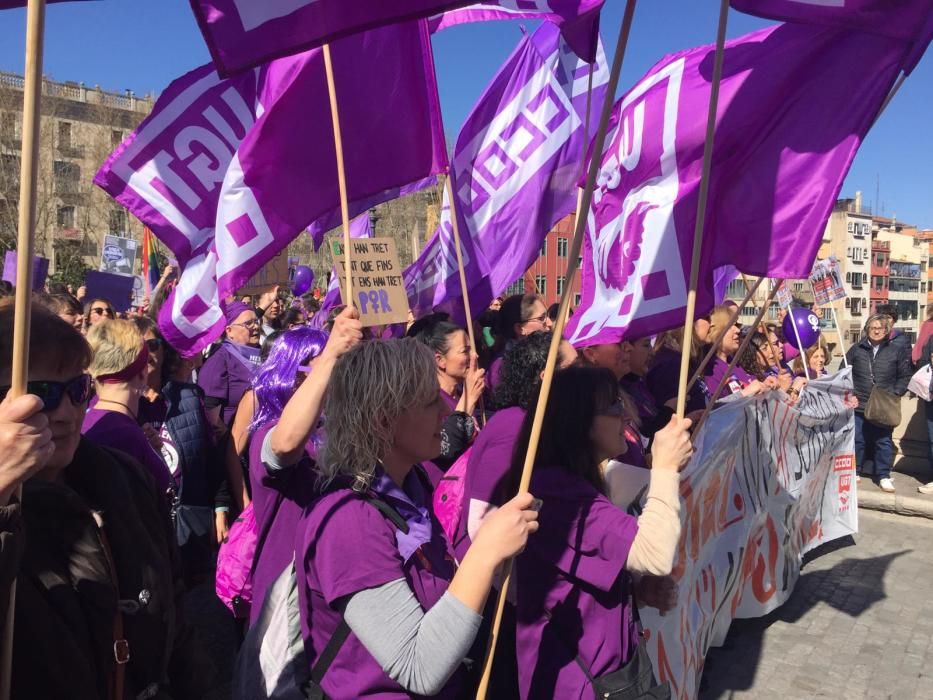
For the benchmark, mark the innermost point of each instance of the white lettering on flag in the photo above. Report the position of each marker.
(255, 13)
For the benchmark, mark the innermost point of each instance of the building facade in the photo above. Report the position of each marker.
(548, 273)
(80, 127)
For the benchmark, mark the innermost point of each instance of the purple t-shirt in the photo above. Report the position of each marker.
(344, 546)
(225, 377)
(663, 379)
(488, 464)
(573, 597)
(279, 498)
(121, 432)
(716, 370)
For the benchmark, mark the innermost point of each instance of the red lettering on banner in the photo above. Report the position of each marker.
(843, 463)
(764, 576)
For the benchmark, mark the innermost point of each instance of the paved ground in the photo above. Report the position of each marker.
(859, 624)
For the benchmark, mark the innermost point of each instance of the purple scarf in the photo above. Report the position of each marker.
(417, 516)
(247, 354)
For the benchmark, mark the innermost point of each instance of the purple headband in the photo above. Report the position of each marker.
(231, 311)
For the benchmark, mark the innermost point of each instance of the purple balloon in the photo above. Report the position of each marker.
(304, 278)
(808, 327)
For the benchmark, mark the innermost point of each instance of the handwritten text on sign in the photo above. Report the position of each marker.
(378, 289)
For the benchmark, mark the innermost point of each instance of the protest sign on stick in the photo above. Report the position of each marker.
(826, 281)
(118, 255)
(271, 275)
(25, 245)
(376, 275)
(557, 334)
(701, 209)
(117, 289)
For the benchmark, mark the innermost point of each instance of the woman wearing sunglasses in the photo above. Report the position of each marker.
(95, 578)
(120, 368)
(96, 311)
(576, 613)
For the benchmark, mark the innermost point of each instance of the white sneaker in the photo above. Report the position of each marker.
(886, 485)
(926, 488)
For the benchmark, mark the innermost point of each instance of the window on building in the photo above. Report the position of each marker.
(66, 217)
(116, 137)
(798, 286)
(543, 251)
(851, 227)
(64, 135)
(118, 220)
(561, 247)
(560, 284)
(8, 126)
(849, 277)
(848, 302)
(89, 247)
(865, 277)
(576, 300)
(517, 287)
(541, 284)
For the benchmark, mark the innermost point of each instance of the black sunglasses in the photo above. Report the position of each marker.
(52, 393)
(153, 344)
(100, 311)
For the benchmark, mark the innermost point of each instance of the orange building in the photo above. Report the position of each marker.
(547, 274)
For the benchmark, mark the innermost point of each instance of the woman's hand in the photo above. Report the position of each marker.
(657, 592)
(221, 526)
(474, 384)
(25, 442)
(754, 388)
(152, 436)
(671, 449)
(346, 333)
(504, 533)
(784, 380)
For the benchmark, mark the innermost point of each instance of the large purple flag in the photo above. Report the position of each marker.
(228, 172)
(781, 152)
(578, 19)
(241, 34)
(360, 227)
(515, 166)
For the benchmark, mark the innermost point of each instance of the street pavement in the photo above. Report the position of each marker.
(858, 625)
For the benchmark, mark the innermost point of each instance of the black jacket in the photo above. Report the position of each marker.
(890, 368)
(65, 595)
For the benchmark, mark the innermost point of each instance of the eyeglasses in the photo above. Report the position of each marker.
(248, 324)
(153, 344)
(52, 393)
(101, 310)
(540, 319)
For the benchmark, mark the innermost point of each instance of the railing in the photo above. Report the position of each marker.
(78, 92)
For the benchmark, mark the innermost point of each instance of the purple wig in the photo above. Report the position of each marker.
(274, 383)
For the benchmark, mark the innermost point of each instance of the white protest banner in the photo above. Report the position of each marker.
(118, 256)
(826, 282)
(768, 483)
(379, 291)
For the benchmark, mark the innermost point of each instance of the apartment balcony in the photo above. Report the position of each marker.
(881, 246)
(895, 295)
(880, 270)
(879, 295)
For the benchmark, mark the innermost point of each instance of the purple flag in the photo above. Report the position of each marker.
(782, 150)
(360, 227)
(578, 19)
(516, 165)
(228, 172)
(242, 34)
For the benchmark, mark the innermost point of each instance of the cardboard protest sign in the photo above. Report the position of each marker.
(118, 256)
(768, 482)
(139, 291)
(826, 281)
(40, 269)
(783, 297)
(274, 273)
(117, 289)
(378, 288)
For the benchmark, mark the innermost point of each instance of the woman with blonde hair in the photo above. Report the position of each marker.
(120, 369)
(382, 600)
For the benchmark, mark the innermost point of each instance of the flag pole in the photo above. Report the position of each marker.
(711, 353)
(557, 333)
(701, 208)
(735, 360)
(25, 245)
(842, 342)
(455, 225)
(341, 174)
(774, 356)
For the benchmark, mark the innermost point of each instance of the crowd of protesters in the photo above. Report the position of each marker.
(374, 474)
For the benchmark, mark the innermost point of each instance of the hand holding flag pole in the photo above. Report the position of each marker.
(25, 245)
(701, 208)
(551, 364)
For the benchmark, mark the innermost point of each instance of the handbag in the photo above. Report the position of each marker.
(884, 407)
(920, 383)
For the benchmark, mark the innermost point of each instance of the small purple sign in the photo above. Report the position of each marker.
(40, 270)
(117, 289)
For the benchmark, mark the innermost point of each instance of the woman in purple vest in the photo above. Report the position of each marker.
(574, 580)
(412, 615)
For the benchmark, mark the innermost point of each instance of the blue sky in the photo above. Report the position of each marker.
(143, 44)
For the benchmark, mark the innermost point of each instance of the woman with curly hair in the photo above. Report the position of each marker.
(372, 562)
(289, 392)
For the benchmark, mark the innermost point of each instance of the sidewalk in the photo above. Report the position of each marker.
(909, 473)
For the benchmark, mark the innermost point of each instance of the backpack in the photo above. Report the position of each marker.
(449, 495)
(272, 664)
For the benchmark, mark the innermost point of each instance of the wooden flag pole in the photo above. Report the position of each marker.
(735, 360)
(701, 208)
(557, 334)
(341, 174)
(464, 289)
(711, 353)
(774, 356)
(842, 342)
(25, 245)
